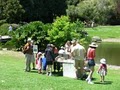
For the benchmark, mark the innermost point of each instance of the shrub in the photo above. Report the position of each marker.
(63, 30)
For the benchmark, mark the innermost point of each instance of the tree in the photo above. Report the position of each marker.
(63, 30)
(13, 11)
(35, 30)
(98, 11)
(2, 4)
(115, 14)
(43, 10)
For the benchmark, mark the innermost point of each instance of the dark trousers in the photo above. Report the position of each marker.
(56, 66)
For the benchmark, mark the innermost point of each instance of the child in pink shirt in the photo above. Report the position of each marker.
(39, 62)
(102, 69)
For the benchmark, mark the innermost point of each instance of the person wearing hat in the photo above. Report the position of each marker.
(61, 51)
(28, 51)
(90, 58)
(78, 54)
(102, 69)
(39, 62)
(49, 54)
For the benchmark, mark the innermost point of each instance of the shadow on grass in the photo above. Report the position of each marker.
(34, 71)
(57, 74)
(104, 83)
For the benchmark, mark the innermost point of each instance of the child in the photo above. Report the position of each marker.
(39, 62)
(43, 64)
(102, 69)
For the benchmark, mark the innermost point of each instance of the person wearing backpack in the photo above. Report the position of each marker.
(28, 51)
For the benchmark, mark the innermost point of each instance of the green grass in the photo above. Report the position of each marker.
(13, 77)
(104, 31)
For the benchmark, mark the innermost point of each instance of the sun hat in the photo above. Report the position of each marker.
(103, 61)
(29, 39)
(32, 41)
(73, 41)
(48, 45)
(62, 47)
(39, 53)
(93, 44)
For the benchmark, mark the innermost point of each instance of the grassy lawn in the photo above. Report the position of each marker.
(13, 77)
(104, 31)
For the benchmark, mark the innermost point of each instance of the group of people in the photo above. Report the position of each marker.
(75, 51)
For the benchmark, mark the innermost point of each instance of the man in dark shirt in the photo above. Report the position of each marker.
(28, 54)
(49, 59)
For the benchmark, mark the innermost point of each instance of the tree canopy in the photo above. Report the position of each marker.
(99, 11)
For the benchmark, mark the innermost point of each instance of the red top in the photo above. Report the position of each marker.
(91, 53)
(55, 50)
(103, 66)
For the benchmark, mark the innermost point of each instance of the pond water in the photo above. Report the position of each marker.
(110, 51)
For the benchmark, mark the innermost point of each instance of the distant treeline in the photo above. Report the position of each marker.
(97, 11)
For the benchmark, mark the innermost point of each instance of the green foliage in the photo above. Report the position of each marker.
(98, 11)
(4, 29)
(72, 2)
(9, 45)
(11, 10)
(43, 10)
(36, 30)
(2, 22)
(63, 30)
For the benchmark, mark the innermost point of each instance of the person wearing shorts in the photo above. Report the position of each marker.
(91, 62)
(49, 54)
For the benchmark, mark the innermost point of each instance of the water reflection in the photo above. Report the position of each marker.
(110, 51)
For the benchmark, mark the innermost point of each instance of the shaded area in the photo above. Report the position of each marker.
(104, 83)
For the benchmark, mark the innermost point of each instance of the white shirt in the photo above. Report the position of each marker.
(61, 51)
(78, 52)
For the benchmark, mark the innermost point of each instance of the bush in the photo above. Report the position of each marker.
(35, 30)
(2, 22)
(64, 30)
(4, 29)
(9, 45)
(99, 11)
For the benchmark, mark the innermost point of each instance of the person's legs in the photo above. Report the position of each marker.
(58, 66)
(77, 69)
(89, 78)
(49, 68)
(91, 72)
(91, 65)
(102, 78)
(33, 65)
(39, 66)
(55, 65)
(81, 68)
(28, 62)
(33, 61)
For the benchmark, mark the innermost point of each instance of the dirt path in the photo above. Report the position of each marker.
(111, 40)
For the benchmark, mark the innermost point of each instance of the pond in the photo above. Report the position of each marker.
(110, 51)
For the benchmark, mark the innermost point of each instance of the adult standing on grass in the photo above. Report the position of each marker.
(78, 54)
(28, 51)
(91, 63)
(49, 54)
